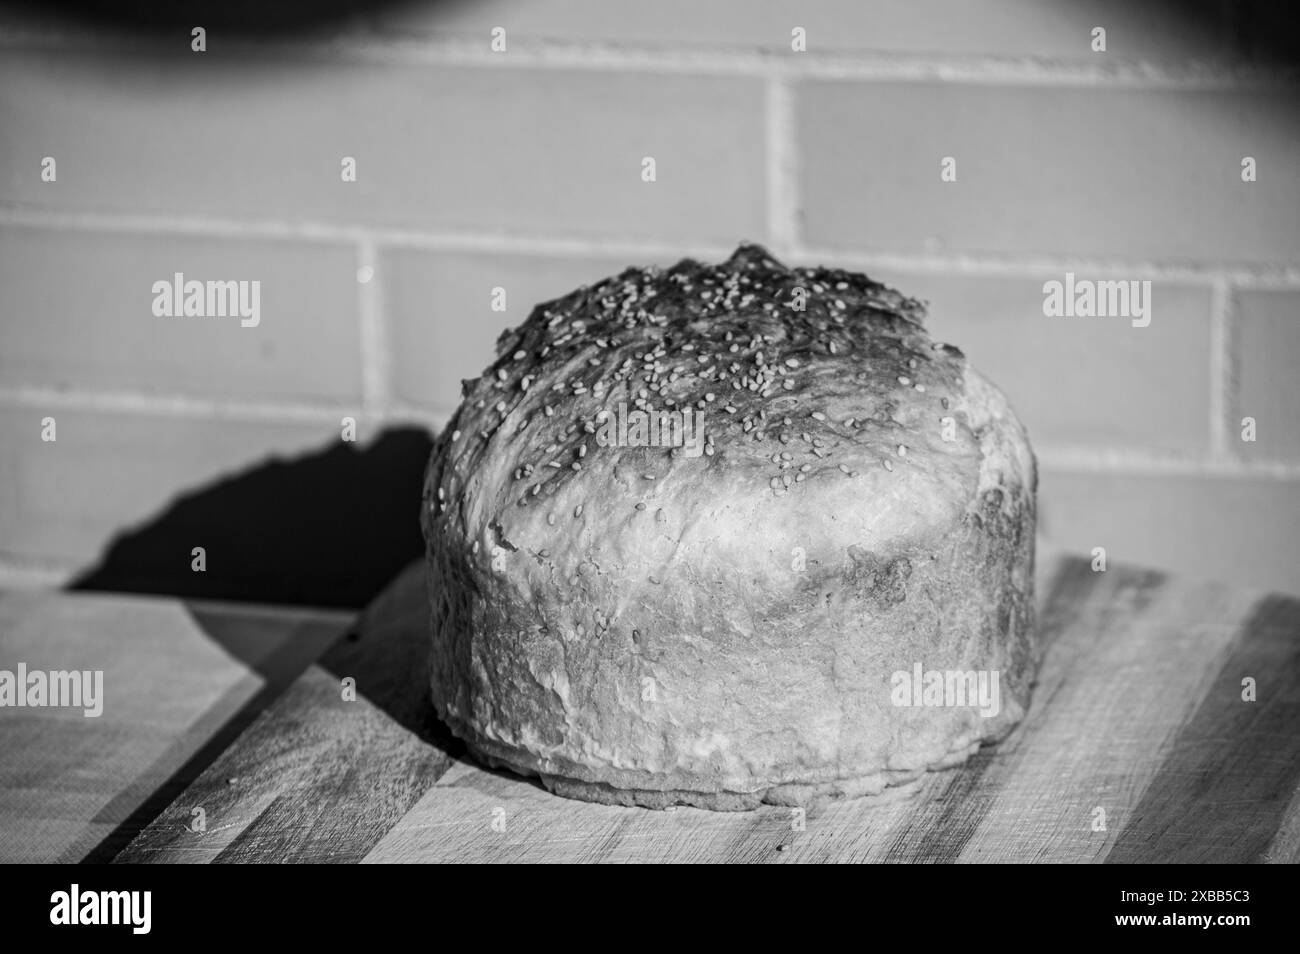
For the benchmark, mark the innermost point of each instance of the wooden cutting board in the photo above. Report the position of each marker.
(181, 680)
(1138, 747)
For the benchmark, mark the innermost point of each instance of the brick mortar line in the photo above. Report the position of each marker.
(782, 155)
(17, 570)
(384, 237)
(1079, 458)
(1074, 458)
(372, 327)
(1222, 385)
(1069, 457)
(1265, 276)
(1125, 462)
(861, 65)
(1274, 275)
(178, 405)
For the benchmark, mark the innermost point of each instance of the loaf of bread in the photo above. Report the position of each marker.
(720, 535)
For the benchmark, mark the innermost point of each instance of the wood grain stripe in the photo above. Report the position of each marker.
(1228, 778)
(276, 644)
(319, 778)
(1119, 683)
(942, 825)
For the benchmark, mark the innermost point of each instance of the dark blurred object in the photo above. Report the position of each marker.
(1260, 29)
(328, 529)
(1268, 29)
(236, 17)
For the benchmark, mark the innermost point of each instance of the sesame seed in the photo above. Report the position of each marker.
(818, 416)
(904, 380)
(455, 436)
(902, 450)
(640, 506)
(577, 511)
(889, 465)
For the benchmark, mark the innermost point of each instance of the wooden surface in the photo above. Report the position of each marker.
(1138, 713)
(181, 681)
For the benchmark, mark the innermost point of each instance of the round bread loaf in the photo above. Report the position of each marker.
(816, 583)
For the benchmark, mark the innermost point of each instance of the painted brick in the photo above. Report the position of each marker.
(1235, 530)
(443, 326)
(1081, 380)
(77, 312)
(1106, 173)
(1043, 28)
(1267, 332)
(491, 150)
(65, 499)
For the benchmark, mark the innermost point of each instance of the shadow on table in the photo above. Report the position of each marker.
(333, 528)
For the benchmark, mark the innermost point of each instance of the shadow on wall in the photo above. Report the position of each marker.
(326, 529)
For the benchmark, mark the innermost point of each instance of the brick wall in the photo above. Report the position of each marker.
(521, 169)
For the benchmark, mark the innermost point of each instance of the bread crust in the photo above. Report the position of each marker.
(654, 628)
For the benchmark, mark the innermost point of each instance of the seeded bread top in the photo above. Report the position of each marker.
(804, 376)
